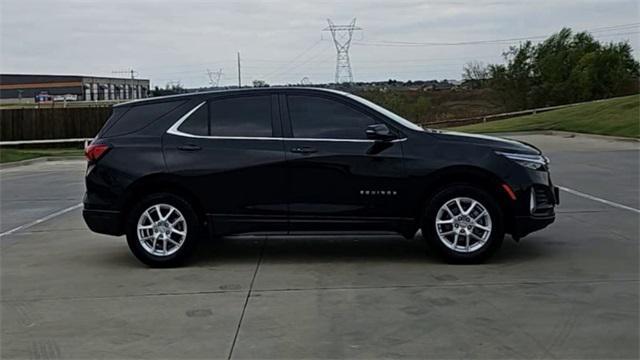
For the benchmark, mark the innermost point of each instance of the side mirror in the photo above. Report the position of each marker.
(379, 132)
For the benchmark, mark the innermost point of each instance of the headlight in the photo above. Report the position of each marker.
(534, 162)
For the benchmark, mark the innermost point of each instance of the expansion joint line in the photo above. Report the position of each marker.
(246, 300)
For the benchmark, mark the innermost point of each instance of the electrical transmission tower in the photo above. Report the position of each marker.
(214, 77)
(342, 35)
(305, 81)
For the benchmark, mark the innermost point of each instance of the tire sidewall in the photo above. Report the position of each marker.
(486, 200)
(187, 248)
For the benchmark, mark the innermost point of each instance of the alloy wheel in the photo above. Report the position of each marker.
(162, 230)
(463, 224)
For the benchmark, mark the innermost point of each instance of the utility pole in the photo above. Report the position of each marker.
(132, 79)
(239, 77)
(342, 35)
(132, 72)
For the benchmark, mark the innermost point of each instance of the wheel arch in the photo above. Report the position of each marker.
(160, 183)
(469, 175)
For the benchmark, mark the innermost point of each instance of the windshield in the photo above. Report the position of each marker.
(395, 117)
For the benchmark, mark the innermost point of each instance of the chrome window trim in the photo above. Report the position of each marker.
(173, 130)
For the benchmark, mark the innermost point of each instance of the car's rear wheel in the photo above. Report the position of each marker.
(463, 223)
(162, 230)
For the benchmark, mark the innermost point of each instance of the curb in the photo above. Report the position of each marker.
(39, 160)
(564, 134)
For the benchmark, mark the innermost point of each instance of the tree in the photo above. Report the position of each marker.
(515, 79)
(260, 83)
(475, 73)
(170, 88)
(564, 68)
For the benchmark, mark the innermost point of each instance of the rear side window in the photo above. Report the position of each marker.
(197, 123)
(116, 113)
(139, 116)
(242, 116)
(322, 118)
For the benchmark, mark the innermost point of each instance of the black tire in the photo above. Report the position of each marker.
(193, 230)
(445, 196)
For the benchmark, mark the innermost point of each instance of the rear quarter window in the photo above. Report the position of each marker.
(137, 117)
(116, 113)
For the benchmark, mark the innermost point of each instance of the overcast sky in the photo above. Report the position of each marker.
(281, 41)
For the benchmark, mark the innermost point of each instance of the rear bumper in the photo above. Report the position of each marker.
(104, 221)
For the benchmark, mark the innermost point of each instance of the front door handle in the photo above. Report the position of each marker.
(303, 150)
(189, 147)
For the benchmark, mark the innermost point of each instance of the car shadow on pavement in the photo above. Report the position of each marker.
(347, 249)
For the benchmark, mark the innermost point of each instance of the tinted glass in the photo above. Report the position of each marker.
(393, 116)
(139, 116)
(241, 116)
(116, 113)
(316, 117)
(197, 123)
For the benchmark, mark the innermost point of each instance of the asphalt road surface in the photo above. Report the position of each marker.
(569, 291)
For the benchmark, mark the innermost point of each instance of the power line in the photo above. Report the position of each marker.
(291, 61)
(313, 60)
(311, 57)
(493, 41)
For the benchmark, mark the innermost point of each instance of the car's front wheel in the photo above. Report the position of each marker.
(162, 230)
(464, 224)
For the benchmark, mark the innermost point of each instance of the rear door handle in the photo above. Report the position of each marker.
(189, 147)
(303, 150)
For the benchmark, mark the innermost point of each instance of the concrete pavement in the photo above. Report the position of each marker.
(31, 192)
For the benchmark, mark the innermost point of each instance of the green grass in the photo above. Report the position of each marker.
(10, 154)
(615, 117)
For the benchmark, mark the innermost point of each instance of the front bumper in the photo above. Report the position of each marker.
(540, 217)
(524, 225)
(104, 221)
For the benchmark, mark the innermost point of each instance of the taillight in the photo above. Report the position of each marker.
(94, 152)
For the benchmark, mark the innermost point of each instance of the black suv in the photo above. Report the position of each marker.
(168, 171)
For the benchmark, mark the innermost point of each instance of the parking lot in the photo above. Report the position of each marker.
(569, 291)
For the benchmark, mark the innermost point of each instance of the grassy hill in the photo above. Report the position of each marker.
(615, 117)
(424, 107)
(10, 155)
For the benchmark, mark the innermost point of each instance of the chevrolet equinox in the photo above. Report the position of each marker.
(168, 171)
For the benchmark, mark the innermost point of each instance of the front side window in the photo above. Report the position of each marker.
(322, 118)
(248, 116)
